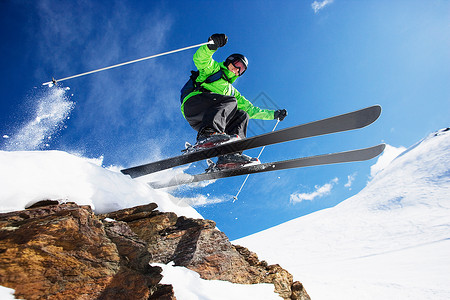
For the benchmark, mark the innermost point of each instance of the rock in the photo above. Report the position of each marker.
(65, 252)
(298, 292)
(279, 277)
(131, 214)
(197, 244)
(164, 292)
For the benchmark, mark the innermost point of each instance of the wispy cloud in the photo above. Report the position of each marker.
(350, 179)
(202, 200)
(320, 191)
(317, 5)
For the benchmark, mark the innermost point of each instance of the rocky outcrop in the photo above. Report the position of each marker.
(197, 245)
(64, 251)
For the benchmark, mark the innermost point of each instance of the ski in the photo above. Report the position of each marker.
(349, 121)
(326, 159)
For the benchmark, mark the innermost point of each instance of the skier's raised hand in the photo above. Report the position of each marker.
(219, 39)
(280, 114)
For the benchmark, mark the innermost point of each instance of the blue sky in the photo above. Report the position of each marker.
(314, 60)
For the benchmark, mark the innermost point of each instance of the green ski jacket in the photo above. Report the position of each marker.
(207, 66)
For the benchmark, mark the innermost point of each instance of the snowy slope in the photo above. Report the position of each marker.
(390, 241)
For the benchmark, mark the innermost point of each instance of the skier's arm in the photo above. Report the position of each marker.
(254, 112)
(205, 63)
(203, 56)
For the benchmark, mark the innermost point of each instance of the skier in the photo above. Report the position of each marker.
(215, 108)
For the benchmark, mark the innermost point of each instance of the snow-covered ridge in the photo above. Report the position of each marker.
(383, 241)
(31, 176)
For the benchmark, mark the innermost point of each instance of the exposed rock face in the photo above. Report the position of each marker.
(66, 252)
(199, 246)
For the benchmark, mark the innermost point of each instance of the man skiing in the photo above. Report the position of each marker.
(215, 108)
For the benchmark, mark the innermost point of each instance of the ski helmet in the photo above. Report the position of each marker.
(239, 61)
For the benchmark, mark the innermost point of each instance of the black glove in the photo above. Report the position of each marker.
(280, 114)
(220, 39)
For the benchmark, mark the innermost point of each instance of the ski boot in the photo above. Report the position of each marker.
(234, 160)
(208, 138)
(212, 140)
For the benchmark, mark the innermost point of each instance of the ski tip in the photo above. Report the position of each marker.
(377, 150)
(371, 114)
(376, 109)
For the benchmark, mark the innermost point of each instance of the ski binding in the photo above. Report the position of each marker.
(212, 142)
(213, 167)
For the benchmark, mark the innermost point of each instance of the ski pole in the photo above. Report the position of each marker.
(54, 81)
(245, 180)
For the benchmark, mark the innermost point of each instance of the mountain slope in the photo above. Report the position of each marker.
(390, 241)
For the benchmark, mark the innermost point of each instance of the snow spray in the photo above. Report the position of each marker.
(50, 108)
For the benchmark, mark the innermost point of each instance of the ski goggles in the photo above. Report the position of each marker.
(239, 65)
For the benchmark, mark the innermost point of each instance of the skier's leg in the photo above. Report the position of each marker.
(209, 113)
(220, 112)
(210, 110)
(238, 124)
(194, 110)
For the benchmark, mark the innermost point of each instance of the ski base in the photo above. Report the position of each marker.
(349, 121)
(326, 159)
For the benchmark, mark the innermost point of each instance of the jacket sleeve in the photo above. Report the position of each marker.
(206, 66)
(204, 62)
(253, 111)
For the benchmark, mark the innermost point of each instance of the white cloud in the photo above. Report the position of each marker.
(202, 200)
(389, 154)
(320, 191)
(350, 179)
(317, 6)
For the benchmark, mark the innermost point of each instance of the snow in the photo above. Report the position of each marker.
(188, 285)
(30, 176)
(390, 241)
(390, 153)
(50, 108)
(6, 293)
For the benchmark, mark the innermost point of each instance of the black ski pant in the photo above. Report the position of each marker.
(216, 111)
